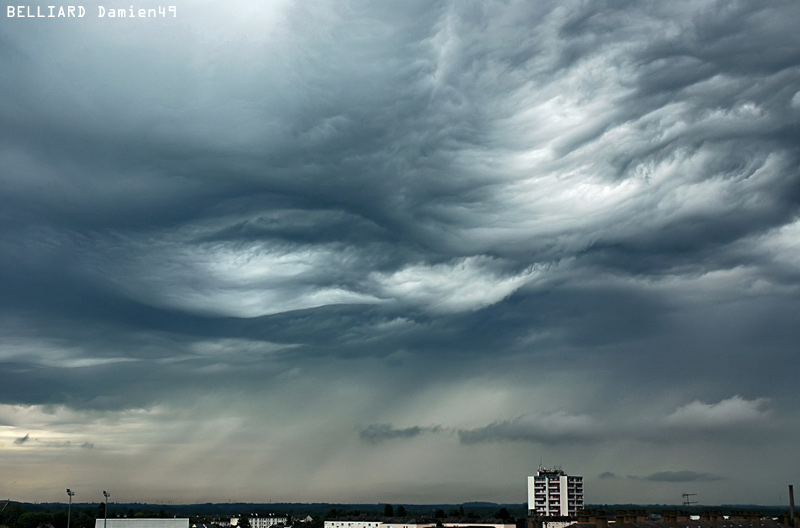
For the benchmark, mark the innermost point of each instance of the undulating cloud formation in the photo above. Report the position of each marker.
(401, 251)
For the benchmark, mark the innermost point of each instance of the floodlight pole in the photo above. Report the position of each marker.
(105, 513)
(69, 508)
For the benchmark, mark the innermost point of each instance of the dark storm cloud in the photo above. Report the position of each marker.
(726, 421)
(400, 199)
(683, 476)
(377, 433)
(54, 444)
(551, 428)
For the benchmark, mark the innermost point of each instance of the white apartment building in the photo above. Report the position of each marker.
(553, 493)
(263, 522)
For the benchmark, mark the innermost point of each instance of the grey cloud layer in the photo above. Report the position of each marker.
(415, 213)
(732, 417)
(683, 476)
(670, 476)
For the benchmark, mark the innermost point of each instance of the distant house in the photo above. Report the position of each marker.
(202, 525)
(538, 521)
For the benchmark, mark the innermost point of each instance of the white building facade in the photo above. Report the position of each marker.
(263, 521)
(553, 493)
(141, 523)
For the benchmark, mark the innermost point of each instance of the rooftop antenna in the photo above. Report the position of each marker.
(687, 499)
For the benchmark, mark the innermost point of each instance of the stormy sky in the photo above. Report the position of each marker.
(381, 251)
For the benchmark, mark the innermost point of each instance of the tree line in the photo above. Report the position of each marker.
(16, 515)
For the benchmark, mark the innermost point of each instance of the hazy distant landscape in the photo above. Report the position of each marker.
(356, 251)
(480, 509)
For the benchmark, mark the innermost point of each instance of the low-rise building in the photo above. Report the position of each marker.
(142, 522)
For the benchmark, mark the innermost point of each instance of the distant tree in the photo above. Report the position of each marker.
(83, 518)
(439, 514)
(461, 511)
(60, 519)
(244, 522)
(401, 511)
(9, 514)
(502, 514)
(388, 510)
(35, 520)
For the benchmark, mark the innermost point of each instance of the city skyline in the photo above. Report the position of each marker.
(378, 251)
